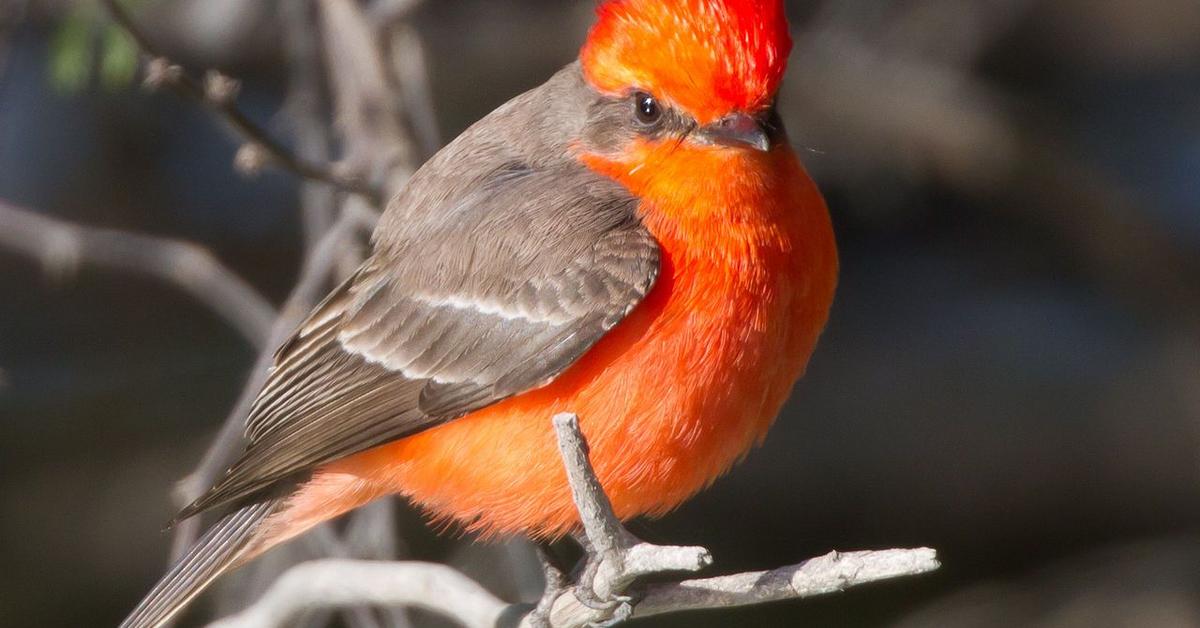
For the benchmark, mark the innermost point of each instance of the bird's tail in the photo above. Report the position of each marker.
(225, 545)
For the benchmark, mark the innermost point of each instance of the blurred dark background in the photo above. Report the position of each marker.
(1011, 374)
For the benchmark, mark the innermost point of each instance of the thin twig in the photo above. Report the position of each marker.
(595, 510)
(218, 94)
(62, 247)
(831, 573)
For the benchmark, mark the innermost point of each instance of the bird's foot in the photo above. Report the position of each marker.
(604, 578)
(618, 605)
(614, 558)
(608, 573)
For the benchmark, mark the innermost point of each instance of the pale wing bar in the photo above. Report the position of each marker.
(497, 295)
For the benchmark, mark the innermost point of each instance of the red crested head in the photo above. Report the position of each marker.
(709, 58)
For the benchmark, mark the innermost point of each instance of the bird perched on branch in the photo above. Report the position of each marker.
(634, 241)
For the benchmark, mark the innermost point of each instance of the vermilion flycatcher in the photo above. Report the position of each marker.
(633, 241)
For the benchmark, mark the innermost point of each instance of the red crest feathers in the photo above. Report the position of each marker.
(706, 57)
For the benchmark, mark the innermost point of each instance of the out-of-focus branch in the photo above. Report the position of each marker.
(308, 290)
(385, 13)
(885, 90)
(303, 112)
(337, 62)
(313, 57)
(63, 247)
(343, 46)
(368, 113)
(409, 71)
(343, 583)
(951, 33)
(896, 91)
(355, 93)
(410, 74)
(370, 534)
(218, 93)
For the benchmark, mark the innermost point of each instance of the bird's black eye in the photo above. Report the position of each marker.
(647, 109)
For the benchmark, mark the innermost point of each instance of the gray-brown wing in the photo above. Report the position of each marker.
(466, 304)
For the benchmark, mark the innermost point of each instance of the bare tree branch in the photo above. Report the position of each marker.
(622, 556)
(363, 92)
(303, 111)
(336, 56)
(891, 87)
(309, 289)
(410, 78)
(344, 583)
(368, 113)
(62, 247)
(333, 583)
(370, 535)
(831, 573)
(385, 13)
(218, 94)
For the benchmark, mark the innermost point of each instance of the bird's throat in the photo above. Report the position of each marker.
(724, 204)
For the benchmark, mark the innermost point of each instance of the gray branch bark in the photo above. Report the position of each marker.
(63, 247)
(218, 94)
(344, 583)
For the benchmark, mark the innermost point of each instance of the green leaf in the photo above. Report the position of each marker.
(119, 58)
(84, 33)
(71, 51)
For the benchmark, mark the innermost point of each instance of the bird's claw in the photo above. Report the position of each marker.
(618, 610)
(588, 598)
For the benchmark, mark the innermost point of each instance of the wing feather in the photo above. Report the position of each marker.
(493, 293)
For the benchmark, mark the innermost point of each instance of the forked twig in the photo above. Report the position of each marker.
(218, 93)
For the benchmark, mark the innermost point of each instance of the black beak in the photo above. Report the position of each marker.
(739, 130)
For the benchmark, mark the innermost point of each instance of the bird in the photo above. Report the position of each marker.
(633, 241)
